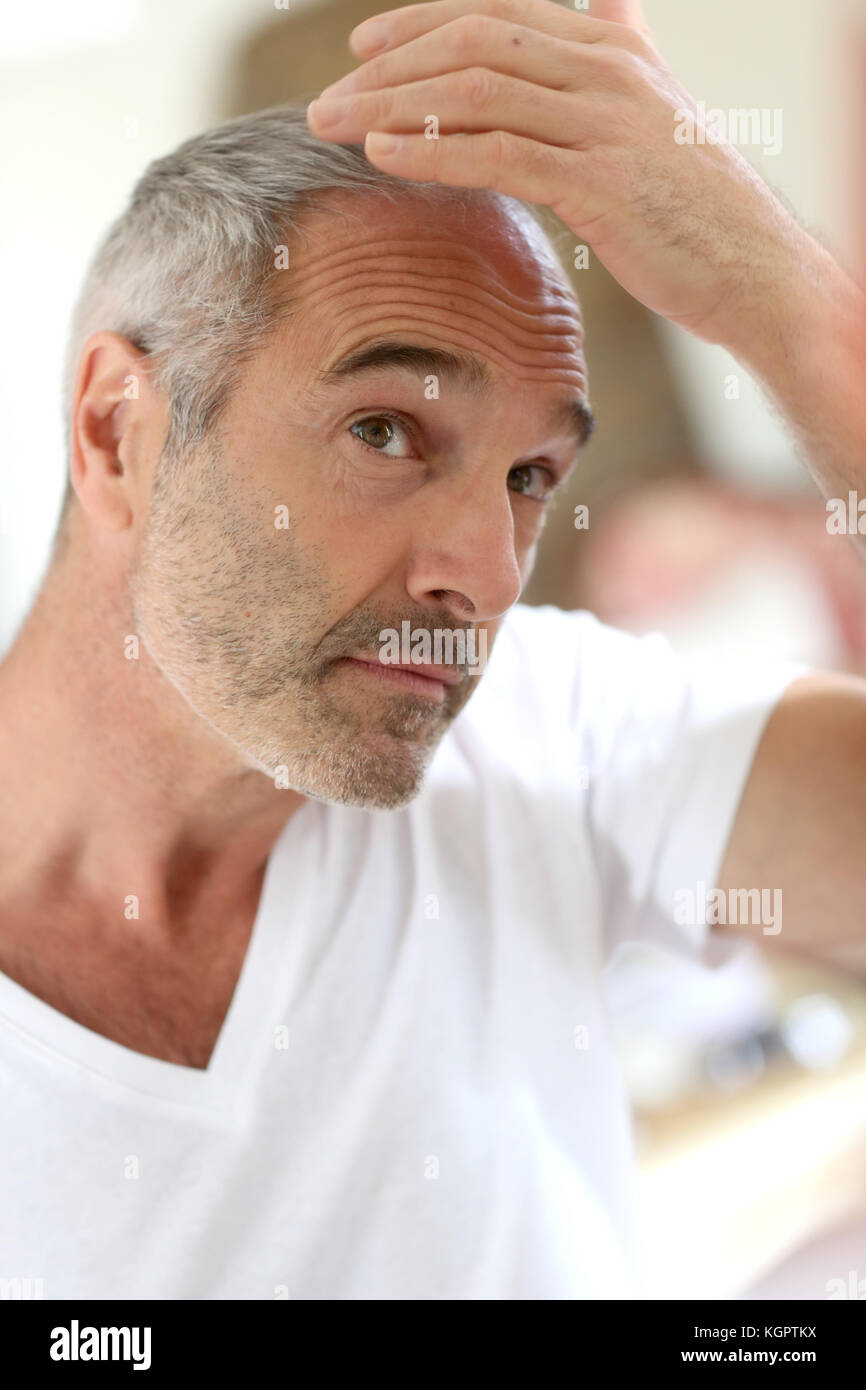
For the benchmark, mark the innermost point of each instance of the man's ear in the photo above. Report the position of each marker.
(118, 426)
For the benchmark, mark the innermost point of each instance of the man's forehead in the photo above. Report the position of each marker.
(502, 248)
(474, 289)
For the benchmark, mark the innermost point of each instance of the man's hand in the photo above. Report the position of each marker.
(580, 113)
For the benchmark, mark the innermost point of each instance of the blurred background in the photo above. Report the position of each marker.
(748, 1081)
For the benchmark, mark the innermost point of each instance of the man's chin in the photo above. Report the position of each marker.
(382, 773)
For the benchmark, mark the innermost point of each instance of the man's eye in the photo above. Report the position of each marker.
(531, 480)
(379, 432)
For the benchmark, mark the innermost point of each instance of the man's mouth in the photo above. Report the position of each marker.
(420, 679)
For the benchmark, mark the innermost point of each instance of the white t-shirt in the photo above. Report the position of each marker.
(414, 1094)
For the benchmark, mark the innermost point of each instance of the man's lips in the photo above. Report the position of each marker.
(423, 678)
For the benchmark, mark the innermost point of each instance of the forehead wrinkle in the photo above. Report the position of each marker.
(532, 262)
(534, 336)
(549, 290)
(534, 366)
(411, 248)
(460, 297)
(533, 331)
(557, 304)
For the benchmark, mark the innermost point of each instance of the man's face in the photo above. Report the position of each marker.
(340, 500)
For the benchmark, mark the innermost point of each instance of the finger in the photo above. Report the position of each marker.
(395, 27)
(620, 12)
(472, 40)
(627, 13)
(473, 99)
(495, 159)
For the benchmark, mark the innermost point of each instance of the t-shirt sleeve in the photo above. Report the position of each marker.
(669, 744)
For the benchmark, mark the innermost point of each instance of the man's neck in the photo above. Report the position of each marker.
(112, 785)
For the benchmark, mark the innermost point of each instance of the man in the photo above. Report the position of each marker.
(301, 989)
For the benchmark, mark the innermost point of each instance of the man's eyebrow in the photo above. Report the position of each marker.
(453, 366)
(577, 417)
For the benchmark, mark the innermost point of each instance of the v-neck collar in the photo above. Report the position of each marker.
(276, 941)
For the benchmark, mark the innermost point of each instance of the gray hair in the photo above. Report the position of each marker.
(188, 271)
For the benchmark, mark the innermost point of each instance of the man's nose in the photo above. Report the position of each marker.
(466, 556)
